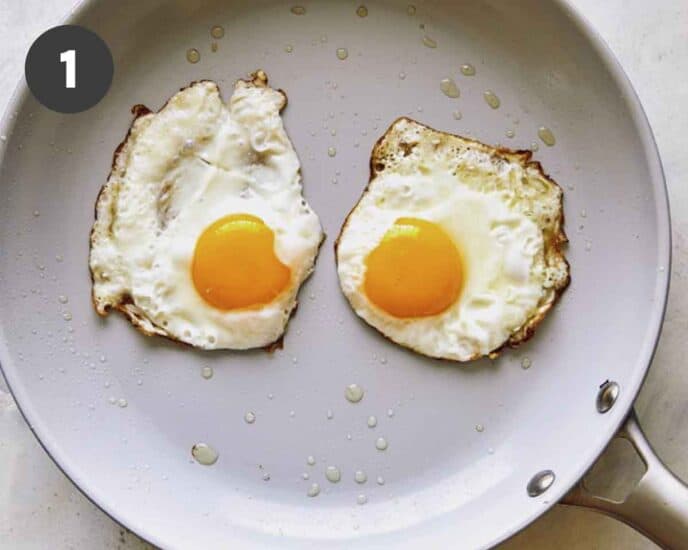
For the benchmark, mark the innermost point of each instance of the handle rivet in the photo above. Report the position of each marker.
(540, 483)
(607, 396)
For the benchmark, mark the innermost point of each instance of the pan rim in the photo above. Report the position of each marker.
(654, 325)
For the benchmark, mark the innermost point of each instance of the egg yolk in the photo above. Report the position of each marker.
(235, 266)
(415, 271)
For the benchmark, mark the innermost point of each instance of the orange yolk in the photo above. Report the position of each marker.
(415, 271)
(235, 266)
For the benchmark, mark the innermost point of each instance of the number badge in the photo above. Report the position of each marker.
(69, 69)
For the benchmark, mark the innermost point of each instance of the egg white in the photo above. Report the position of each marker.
(181, 169)
(489, 209)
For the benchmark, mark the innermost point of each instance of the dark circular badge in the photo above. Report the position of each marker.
(69, 69)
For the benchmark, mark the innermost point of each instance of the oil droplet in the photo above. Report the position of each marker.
(381, 444)
(217, 31)
(59, 258)
(479, 428)
(402, 75)
(333, 474)
(360, 476)
(292, 414)
(467, 69)
(333, 132)
(362, 11)
(36, 213)
(271, 396)
(354, 393)
(429, 42)
(193, 55)
(390, 413)
(510, 134)
(288, 48)
(457, 115)
(330, 415)
(67, 316)
(526, 363)
(298, 10)
(204, 454)
(546, 135)
(310, 460)
(380, 480)
(342, 53)
(583, 214)
(213, 47)
(313, 490)
(122, 403)
(331, 151)
(491, 99)
(250, 417)
(112, 400)
(588, 246)
(207, 372)
(361, 499)
(102, 359)
(411, 9)
(534, 146)
(63, 299)
(449, 87)
(372, 421)
(305, 475)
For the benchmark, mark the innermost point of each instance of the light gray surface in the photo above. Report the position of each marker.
(663, 101)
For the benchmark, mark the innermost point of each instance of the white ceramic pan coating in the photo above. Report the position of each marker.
(445, 482)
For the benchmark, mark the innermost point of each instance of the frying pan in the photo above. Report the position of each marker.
(476, 452)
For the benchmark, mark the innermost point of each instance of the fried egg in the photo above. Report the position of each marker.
(454, 248)
(202, 234)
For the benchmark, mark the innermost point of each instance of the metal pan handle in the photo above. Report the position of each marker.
(657, 506)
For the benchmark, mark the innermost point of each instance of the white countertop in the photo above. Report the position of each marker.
(40, 508)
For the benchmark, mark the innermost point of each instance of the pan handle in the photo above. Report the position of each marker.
(657, 506)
